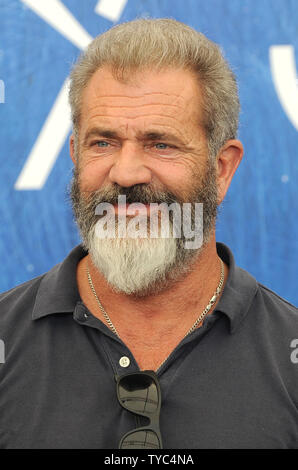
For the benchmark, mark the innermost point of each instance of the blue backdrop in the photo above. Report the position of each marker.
(40, 39)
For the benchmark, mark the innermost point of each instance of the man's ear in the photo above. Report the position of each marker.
(72, 149)
(228, 159)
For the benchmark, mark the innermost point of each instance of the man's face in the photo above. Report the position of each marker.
(145, 139)
(147, 131)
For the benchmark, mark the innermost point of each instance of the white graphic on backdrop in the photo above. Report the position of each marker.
(2, 92)
(283, 69)
(57, 126)
(110, 9)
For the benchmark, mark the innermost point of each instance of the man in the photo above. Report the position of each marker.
(155, 113)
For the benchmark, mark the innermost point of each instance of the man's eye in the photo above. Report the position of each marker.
(161, 146)
(101, 143)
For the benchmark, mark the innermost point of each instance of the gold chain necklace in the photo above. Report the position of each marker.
(196, 323)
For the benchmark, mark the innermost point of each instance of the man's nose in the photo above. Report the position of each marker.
(129, 166)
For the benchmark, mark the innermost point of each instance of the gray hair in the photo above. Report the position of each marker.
(158, 44)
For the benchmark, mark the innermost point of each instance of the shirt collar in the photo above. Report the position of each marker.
(239, 291)
(58, 291)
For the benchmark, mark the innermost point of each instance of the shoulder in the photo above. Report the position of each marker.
(275, 305)
(55, 291)
(15, 302)
(20, 293)
(273, 329)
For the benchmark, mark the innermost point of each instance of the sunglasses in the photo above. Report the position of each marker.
(139, 393)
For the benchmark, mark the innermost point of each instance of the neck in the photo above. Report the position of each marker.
(152, 326)
(186, 298)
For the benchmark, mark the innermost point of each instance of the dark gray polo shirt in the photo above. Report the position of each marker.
(233, 383)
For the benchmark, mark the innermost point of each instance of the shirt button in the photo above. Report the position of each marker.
(124, 361)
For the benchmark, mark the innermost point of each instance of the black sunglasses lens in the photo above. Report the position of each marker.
(139, 394)
(144, 439)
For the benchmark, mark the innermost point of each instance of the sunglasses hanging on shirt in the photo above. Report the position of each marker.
(139, 393)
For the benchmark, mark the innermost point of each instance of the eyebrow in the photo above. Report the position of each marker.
(152, 135)
(100, 131)
(155, 135)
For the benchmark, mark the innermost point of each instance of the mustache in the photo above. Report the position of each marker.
(140, 193)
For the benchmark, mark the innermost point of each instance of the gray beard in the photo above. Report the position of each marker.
(142, 267)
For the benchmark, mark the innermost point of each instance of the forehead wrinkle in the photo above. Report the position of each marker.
(178, 100)
(143, 94)
(102, 103)
(136, 105)
(135, 117)
(150, 93)
(176, 107)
